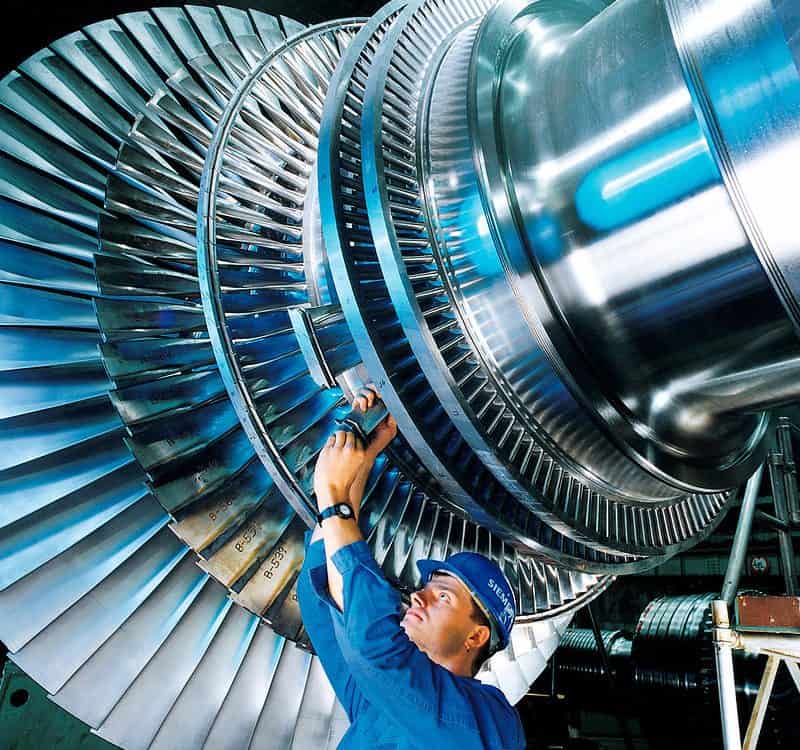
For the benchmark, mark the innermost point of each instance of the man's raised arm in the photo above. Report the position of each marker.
(340, 476)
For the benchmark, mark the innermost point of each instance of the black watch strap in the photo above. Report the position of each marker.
(343, 510)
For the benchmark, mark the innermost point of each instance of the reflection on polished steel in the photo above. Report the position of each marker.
(254, 249)
(673, 293)
(586, 232)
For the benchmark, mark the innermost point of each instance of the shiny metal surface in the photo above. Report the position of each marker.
(325, 341)
(343, 211)
(666, 656)
(723, 658)
(227, 311)
(754, 140)
(403, 248)
(88, 623)
(136, 717)
(607, 297)
(741, 538)
(193, 713)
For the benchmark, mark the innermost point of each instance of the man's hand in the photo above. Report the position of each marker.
(344, 464)
(381, 436)
(385, 432)
(341, 462)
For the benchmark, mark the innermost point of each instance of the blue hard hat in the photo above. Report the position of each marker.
(488, 585)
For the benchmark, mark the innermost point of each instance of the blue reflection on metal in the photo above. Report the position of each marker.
(646, 178)
(668, 168)
(545, 234)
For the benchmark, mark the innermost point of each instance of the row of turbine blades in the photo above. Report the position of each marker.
(170, 388)
(124, 464)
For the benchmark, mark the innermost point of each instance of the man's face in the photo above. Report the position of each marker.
(439, 619)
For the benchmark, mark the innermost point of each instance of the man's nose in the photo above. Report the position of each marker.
(417, 599)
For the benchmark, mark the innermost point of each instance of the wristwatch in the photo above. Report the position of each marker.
(343, 510)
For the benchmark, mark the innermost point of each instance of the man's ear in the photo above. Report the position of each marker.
(479, 635)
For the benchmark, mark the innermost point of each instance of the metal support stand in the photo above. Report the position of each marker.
(723, 655)
(778, 647)
(779, 636)
(741, 538)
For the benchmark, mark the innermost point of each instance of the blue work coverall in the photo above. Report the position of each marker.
(395, 697)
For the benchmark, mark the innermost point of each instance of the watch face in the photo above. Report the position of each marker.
(344, 510)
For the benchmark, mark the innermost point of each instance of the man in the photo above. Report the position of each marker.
(405, 679)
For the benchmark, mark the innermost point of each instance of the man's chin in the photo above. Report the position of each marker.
(410, 625)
